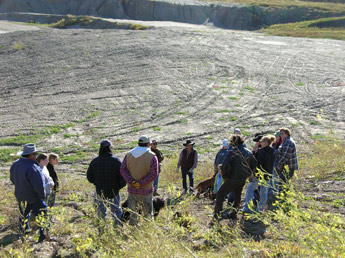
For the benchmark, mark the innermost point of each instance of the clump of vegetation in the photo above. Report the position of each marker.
(136, 26)
(18, 46)
(320, 28)
(322, 5)
(33, 138)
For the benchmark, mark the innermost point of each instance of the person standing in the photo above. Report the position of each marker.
(160, 158)
(53, 161)
(286, 155)
(237, 166)
(221, 155)
(188, 161)
(104, 173)
(42, 161)
(29, 191)
(265, 158)
(140, 168)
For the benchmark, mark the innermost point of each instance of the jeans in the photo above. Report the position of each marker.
(252, 186)
(284, 177)
(113, 203)
(37, 208)
(155, 183)
(227, 187)
(184, 178)
(137, 202)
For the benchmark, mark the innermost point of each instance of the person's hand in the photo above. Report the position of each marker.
(177, 169)
(135, 184)
(190, 171)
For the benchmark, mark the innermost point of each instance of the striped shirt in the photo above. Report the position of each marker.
(145, 180)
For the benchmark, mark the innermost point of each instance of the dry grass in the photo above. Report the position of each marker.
(322, 6)
(309, 29)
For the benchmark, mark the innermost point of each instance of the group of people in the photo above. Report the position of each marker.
(36, 181)
(264, 166)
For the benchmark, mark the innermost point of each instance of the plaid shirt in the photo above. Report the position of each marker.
(287, 154)
(145, 180)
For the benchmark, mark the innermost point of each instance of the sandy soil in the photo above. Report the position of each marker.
(197, 82)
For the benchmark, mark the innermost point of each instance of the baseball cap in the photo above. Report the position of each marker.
(106, 143)
(144, 139)
(225, 142)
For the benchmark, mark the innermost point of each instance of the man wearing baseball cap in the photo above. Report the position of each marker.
(104, 173)
(29, 191)
(140, 168)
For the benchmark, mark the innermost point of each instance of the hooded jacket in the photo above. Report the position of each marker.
(238, 164)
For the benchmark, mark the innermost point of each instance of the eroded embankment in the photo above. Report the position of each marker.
(231, 16)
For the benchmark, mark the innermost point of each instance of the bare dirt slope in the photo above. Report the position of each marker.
(170, 83)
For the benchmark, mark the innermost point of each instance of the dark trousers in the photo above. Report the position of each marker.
(228, 186)
(184, 178)
(36, 209)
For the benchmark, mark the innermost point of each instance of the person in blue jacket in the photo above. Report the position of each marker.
(27, 177)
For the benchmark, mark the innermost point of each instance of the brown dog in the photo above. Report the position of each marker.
(205, 186)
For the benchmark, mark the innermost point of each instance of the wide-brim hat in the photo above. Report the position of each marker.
(188, 142)
(258, 138)
(28, 149)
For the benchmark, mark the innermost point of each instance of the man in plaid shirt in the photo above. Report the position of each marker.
(140, 168)
(286, 155)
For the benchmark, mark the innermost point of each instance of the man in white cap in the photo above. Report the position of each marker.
(27, 178)
(140, 168)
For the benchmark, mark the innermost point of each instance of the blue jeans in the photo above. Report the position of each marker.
(184, 178)
(252, 186)
(155, 183)
(114, 204)
(274, 183)
(37, 208)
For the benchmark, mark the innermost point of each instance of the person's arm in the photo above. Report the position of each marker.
(226, 165)
(125, 172)
(153, 172)
(179, 160)
(90, 173)
(11, 175)
(121, 181)
(195, 164)
(160, 156)
(35, 176)
(215, 162)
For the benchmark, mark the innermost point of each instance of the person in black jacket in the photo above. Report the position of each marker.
(104, 173)
(238, 164)
(265, 159)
